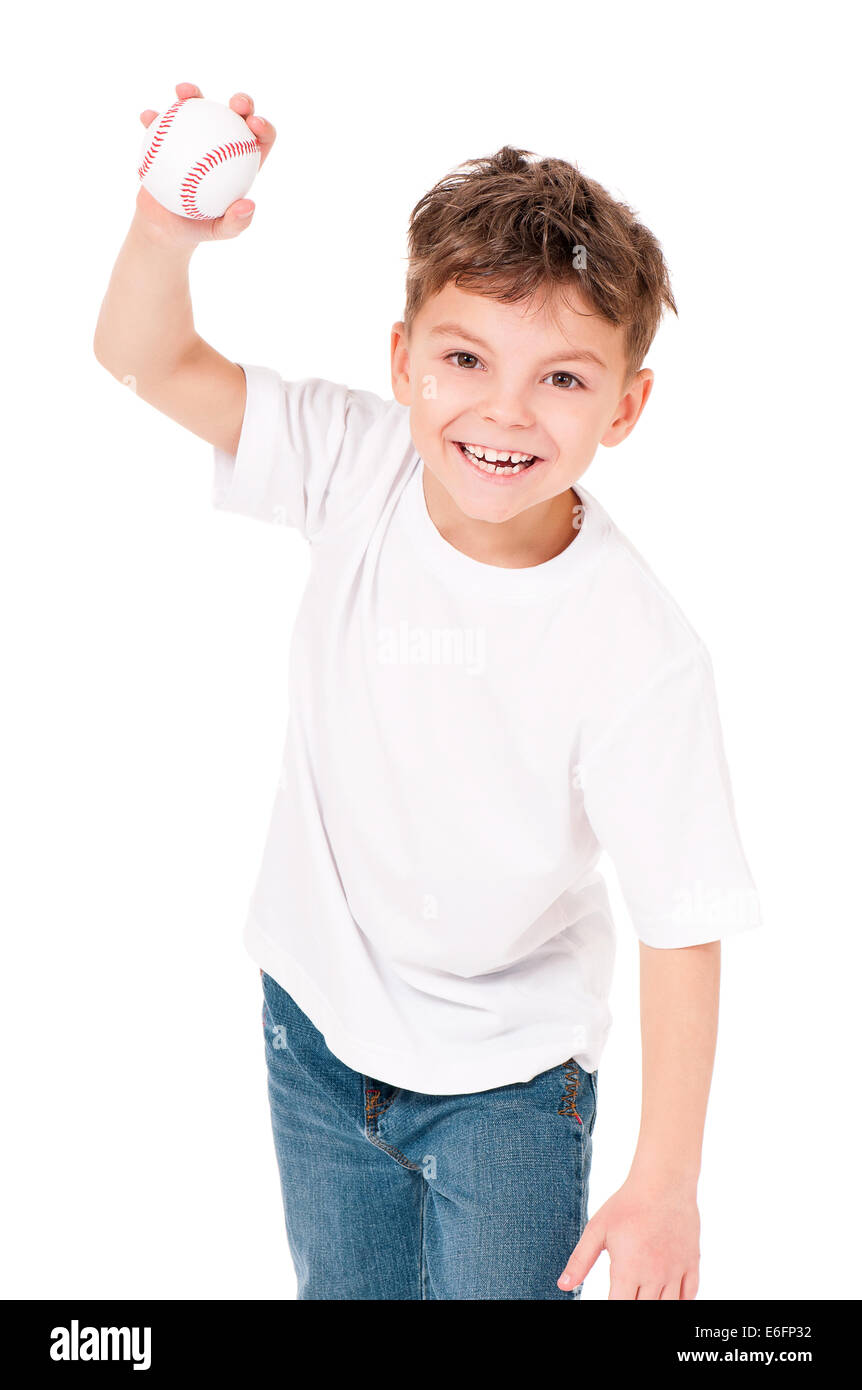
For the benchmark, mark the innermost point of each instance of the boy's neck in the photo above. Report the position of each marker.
(531, 538)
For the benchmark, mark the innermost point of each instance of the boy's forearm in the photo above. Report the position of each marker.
(145, 324)
(679, 1024)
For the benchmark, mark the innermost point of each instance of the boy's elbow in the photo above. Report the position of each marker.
(99, 350)
(102, 355)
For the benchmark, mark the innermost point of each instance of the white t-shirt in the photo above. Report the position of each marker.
(463, 742)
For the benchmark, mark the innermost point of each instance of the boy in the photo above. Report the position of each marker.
(488, 687)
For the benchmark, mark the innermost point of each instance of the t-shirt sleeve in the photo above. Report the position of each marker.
(657, 793)
(292, 445)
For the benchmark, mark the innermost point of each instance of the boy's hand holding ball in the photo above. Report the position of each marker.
(198, 160)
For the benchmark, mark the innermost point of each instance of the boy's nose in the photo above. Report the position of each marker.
(507, 412)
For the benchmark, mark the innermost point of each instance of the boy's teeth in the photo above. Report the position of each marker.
(494, 461)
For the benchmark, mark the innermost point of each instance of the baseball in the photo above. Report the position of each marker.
(198, 157)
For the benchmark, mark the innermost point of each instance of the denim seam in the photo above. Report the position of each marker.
(423, 1264)
(584, 1213)
(394, 1153)
(373, 1111)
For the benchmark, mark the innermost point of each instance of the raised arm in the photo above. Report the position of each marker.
(145, 334)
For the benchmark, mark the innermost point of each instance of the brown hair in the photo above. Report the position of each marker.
(507, 227)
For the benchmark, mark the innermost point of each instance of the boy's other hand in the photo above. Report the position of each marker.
(652, 1234)
(186, 231)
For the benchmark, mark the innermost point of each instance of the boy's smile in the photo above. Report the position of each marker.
(508, 403)
(495, 461)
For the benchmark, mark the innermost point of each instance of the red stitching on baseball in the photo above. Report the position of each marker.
(164, 125)
(235, 149)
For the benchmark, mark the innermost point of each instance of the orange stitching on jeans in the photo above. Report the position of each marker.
(372, 1107)
(373, 1110)
(375, 1107)
(573, 1081)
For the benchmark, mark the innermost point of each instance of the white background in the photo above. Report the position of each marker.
(145, 636)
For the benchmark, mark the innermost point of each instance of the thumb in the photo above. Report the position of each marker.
(583, 1257)
(235, 220)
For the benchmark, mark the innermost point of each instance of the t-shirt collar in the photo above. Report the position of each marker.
(560, 572)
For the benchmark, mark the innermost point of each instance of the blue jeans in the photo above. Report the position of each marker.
(395, 1194)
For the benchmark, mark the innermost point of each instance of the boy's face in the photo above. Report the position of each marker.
(512, 378)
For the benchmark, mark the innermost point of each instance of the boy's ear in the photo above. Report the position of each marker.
(400, 364)
(629, 408)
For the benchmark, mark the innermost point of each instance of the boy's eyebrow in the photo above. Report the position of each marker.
(456, 330)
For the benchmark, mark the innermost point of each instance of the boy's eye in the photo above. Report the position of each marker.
(570, 382)
(471, 355)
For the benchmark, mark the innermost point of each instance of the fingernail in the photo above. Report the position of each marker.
(246, 214)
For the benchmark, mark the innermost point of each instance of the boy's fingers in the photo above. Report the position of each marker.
(235, 220)
(263, 130)
(582, 1258)
(623, 1289)
(148, 117)
(265, 133)
(670, 1292)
